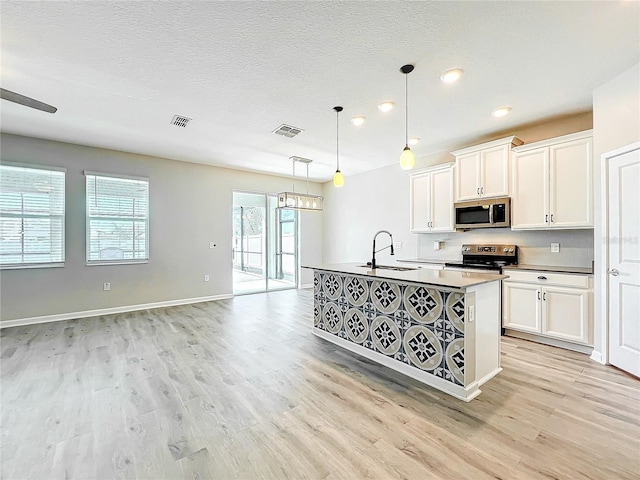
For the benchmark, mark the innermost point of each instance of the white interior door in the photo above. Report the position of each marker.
(623, 199)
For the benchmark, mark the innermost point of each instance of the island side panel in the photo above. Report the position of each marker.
(486, 325)
(419, 327)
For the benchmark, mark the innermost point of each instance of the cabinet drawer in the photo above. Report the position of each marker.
(548, 278)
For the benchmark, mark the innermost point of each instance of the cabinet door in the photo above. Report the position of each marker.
(530, 190)
(468, 176)
(442, 201)
(494, 171)
(565, 313)
(571, 184)
(420, 214)
(521, 306)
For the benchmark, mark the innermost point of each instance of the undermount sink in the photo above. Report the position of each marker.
(389, 267)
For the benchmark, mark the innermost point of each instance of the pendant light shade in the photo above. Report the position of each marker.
(338, 177)
(407, 158)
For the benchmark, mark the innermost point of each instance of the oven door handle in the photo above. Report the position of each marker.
(491, 214)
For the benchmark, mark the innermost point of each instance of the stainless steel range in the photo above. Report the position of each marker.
(485, 257)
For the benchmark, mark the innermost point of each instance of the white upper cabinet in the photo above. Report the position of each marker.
(552, 184)
(483, 170)
(431, 200)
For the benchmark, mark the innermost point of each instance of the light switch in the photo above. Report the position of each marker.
(555, 248)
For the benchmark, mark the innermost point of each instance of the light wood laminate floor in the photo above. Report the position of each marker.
(240, 388)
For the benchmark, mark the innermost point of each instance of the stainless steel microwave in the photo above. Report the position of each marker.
(483, 213)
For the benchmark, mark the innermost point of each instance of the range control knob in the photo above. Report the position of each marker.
(511, 250)
(505, 249)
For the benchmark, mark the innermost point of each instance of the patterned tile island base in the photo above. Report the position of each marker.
(446, 338)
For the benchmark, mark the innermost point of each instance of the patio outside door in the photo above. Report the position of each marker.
(265, 244)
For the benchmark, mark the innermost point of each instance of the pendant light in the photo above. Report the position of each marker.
(338, 177)
(407, 158)
(300, 201)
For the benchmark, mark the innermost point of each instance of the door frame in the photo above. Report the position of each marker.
(601, 243)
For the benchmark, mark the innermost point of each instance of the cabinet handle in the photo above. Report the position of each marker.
(478, 190)
(552, 218)
(482, 190)
(546, 218)
(538, 294)
(542, 277)
(544, 296)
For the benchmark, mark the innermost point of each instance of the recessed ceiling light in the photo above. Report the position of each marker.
(414, 140)
(451, 76)
(358, 120)
(501, 112)
(386, 106)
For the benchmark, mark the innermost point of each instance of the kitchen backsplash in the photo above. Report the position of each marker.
(576, 246)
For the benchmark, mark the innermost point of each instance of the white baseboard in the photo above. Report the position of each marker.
(463, 393)
(108, 311)
(597, 357)
(576, 347)
(489, 376)
(306, 285)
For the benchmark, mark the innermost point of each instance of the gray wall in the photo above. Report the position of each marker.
(379, 199)
(190, 206)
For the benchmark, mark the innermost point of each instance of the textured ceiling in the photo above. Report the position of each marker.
(119, 71)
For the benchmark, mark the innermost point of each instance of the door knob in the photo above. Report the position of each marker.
(613, 271)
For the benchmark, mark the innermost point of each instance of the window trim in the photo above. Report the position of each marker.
(52, 264)
(124, 261)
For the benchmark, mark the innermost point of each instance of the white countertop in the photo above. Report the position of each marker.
(542, 268)
(425, 260)
(443, 278)
(552, 268)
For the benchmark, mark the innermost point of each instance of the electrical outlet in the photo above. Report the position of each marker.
(472, 313)
(437, 245)
(206, 278)
(212, 245)
(106, 286)
(555, 248)
(397, 244)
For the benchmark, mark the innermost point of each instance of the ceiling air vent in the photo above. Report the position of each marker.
(287, 131)
(180, 121)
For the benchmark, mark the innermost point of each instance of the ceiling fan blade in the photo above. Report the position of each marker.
(26, 101)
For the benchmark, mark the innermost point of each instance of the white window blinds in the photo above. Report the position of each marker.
(31, 216)
(117, 219)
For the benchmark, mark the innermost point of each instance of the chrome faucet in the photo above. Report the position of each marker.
(373, 259)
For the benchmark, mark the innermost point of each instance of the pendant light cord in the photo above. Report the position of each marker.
(406, 108)
(337, 142)
(293, 177)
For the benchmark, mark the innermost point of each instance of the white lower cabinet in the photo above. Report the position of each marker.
(554, 305)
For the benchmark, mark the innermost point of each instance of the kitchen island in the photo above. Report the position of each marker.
(437, 326)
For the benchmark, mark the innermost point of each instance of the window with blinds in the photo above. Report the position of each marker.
(31, 216)
(117, 219)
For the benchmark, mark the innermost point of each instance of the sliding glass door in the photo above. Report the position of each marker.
(265, 244)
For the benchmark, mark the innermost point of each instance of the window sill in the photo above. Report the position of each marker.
(23, 266)
(115, 262)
